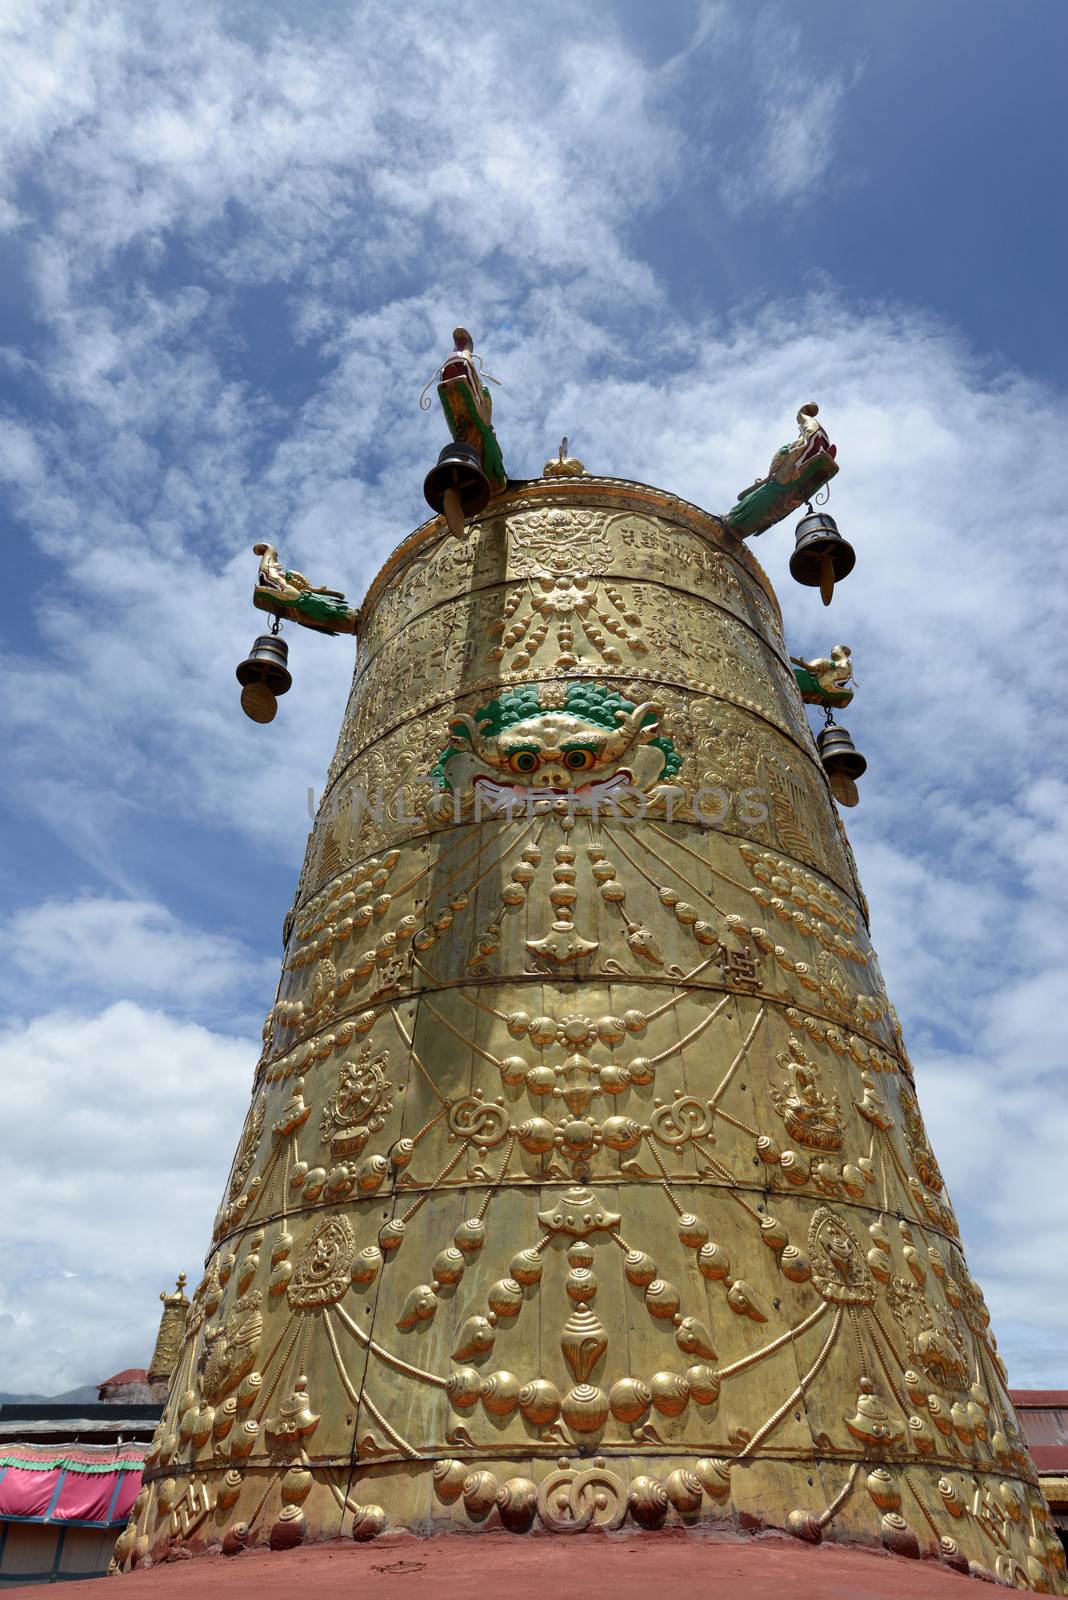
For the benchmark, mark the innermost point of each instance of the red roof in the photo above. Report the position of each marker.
(1044, 1419)
(131, 1375)
(1054, 1398)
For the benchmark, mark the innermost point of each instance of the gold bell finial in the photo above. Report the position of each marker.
(563, 465)
(842, 761)
(263, 676)
(821, 556)
(456, 487)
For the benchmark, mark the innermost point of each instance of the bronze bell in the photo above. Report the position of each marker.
(457, 485)
(821, 556)
(842, 762)
(264, 675)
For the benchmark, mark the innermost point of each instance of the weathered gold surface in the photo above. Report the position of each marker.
(583, 1178)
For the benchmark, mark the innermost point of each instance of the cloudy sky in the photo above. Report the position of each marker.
(233, 241)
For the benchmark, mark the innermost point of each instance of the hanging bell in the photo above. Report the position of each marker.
(842, 762)
(263, 676)
(821, 556)
(457, 486)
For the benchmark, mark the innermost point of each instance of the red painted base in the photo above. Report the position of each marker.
(633, 1566)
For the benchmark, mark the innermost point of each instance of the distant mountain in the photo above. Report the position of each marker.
(86, 1393)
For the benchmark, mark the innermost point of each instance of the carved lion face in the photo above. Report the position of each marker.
(556, 750)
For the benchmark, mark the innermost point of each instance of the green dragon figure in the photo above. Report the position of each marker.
(289, 595)
(468, 405)
(826, 680)
(797, 471)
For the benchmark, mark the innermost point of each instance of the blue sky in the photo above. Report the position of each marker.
(232, 244)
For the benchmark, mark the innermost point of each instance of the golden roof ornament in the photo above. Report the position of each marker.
(583, 1183)
(563, 465)
(171, 1332)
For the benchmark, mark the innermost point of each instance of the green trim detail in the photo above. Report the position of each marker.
(324, 608)
(84, 1467)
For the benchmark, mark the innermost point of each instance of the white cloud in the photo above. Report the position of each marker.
(788, 156)
(106, 946)
(160, 127)
(800, 141)
(999, 1124)
(126, 1126)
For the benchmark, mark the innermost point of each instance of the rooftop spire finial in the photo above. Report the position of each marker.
(171, 1333)
(563, 465)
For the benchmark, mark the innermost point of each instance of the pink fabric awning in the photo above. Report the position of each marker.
(25, 1492)
(90, 1485)
(129, 1489)
(85, 1497)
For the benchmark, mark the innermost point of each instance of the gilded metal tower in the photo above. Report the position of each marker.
(583, 1182)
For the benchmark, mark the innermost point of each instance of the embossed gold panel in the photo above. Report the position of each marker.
(583, 1178)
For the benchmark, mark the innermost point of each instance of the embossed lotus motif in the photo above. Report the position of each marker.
(811, 1117)
(916, 1135)
(932, 1339)
(246, 1150)
(550, 540)
(293, 1421)
(579, 1213)
(872, 1423)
